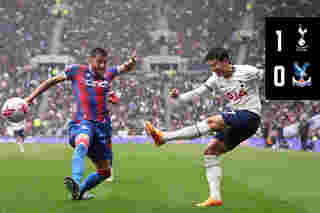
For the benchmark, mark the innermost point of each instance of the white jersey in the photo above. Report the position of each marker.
(17, 126)
(241, 89)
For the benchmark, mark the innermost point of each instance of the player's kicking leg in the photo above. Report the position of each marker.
(214, 123)
(214, 150)
(233, 128)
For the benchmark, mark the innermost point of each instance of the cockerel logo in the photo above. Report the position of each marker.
(302, 43)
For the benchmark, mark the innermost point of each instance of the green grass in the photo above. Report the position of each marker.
(161, 180)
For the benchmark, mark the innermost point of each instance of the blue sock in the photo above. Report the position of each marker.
(78, 161)
(91, 181)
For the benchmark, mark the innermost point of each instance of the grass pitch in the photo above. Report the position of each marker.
(165, 180)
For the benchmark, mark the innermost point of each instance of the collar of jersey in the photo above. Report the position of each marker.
(91, 71)
(94, 73)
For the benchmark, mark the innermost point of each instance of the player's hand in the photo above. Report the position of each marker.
(113, 99)
(174, 93)
(28, 101)
(110, 100)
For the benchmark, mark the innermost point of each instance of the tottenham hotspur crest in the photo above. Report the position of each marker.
(300, 78)
(302, 44)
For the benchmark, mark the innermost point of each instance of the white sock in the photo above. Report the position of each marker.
(111, 176)
(21, 147)
(189, 132)
(214, 175)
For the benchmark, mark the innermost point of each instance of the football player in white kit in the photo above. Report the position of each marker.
(16, 130)
(240, 85)
(15, 127)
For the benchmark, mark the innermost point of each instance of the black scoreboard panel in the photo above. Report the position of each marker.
(292, 64)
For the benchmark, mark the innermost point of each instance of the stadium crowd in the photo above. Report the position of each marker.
(123, 25)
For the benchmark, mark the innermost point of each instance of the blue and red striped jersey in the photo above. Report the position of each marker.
(91, 92)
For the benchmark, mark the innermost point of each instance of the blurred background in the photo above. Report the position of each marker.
(177, 31)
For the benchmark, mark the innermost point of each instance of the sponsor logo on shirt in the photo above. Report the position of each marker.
(92, 83)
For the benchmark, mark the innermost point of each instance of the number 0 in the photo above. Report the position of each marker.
(279, 82)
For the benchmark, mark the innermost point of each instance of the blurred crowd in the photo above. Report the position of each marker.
(120, 26)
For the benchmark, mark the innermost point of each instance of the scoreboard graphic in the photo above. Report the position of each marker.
(292, 59)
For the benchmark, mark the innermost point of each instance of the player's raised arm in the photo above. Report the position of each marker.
(207, 87)
(44, 86)
(130, 64)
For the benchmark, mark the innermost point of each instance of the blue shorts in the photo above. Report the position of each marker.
(242, 124)
(100, 138)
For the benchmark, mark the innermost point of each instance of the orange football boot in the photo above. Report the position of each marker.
(155, 133)
(210, 202)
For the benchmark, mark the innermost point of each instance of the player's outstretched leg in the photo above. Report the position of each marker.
(78, 165)
(78, 159)
(155, 133)
(102, 173)
(213, 172)
(214, 123)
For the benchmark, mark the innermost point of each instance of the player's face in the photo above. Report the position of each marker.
(216, 66)
(220, 67)
(99, 63)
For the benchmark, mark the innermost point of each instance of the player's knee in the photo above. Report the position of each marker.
(215, 147)
(105, 173)
(82, 139)
(216, 122)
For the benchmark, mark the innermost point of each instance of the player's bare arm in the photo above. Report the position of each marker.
(45, 86)
(205, 88)
(188, 96)
(220, 68)
(130, 64)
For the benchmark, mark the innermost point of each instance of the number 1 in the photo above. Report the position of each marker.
(279, 36)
